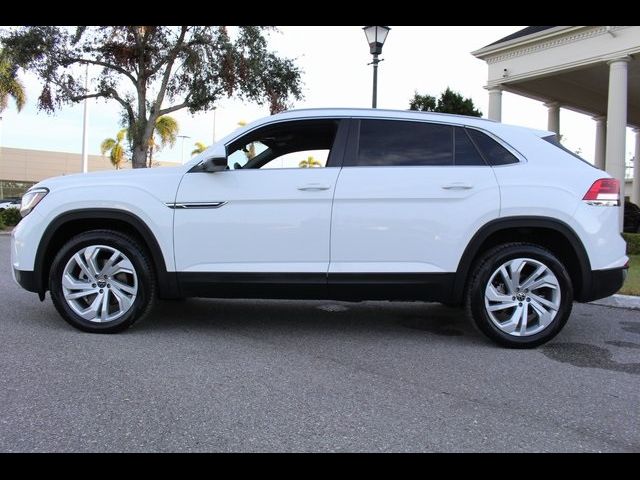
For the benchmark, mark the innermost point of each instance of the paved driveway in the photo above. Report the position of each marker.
(236, 375)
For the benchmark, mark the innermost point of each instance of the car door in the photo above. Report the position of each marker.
(410, 196)
(261, 227)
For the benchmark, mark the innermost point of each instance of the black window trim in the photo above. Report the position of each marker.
(473, 144)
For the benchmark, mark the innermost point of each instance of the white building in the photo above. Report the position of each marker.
(593, 70)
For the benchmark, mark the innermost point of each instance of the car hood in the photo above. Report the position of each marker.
(162, 182)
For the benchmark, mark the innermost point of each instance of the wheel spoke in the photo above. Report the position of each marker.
(91, 312)
(494, 296)
(516, 266)
(543, 301)
(544, 316)
(502, 306)
(506, 277)
(523, 319)
(539, 271)
(123, 287)
(123, 266)
(104, 309)
(108, 266)
(74, 284)
(83, 266)
(124, 302)
(510, 325)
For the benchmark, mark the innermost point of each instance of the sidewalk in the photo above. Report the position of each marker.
(620, 301)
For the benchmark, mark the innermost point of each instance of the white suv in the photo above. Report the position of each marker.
(342, 204)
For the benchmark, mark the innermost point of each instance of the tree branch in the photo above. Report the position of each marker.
(104, 64)
(173, 108)
(167, 72)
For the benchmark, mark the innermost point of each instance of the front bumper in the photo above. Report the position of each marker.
(605, 283)
(26, 280)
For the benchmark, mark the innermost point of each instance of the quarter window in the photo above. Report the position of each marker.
(400, 143)
(493, 152)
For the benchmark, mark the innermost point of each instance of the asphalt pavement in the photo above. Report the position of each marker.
(319, 376)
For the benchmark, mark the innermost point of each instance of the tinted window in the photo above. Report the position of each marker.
(465, 152)
(493, 152)
(399, 143)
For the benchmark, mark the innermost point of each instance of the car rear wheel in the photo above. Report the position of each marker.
(101, 281)
(520, 295)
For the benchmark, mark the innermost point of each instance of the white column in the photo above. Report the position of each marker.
(617, 123)
(635, 191)
(601, 141)
(495, 104)
(553, 117)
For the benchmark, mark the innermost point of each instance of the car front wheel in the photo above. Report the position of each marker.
(101, 281)
(520, 295)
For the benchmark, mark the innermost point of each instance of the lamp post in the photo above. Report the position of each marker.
(376, 36)
(182, 147)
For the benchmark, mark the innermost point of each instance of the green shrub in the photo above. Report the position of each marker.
(10, 217)
(1, 223)
(633, 243)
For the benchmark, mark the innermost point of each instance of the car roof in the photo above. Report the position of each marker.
(381, 113)
(500, 129)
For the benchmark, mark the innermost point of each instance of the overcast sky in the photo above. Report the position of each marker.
(335, 74)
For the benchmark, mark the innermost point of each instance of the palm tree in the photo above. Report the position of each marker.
(166, 130)
(309, 163)
(115, 148)
(200, 147)
(10, 85)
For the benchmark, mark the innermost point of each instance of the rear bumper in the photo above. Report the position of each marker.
(605, 283)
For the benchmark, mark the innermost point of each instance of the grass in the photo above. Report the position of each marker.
(632, 284)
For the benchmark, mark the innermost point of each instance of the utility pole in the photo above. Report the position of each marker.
(85, 153)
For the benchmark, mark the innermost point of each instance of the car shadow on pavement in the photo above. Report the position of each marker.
(399, 318)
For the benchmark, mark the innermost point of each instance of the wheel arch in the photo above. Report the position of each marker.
(548, 232)
(70, 223)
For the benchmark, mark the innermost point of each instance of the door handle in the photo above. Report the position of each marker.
(310, 187)
(457, 186)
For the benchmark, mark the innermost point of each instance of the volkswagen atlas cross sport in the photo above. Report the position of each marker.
(342, 204)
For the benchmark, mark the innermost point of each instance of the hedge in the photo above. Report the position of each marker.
(1, 223)
(10, 216)
(633, 243)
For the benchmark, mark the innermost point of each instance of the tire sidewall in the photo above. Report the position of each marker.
(133, 253)
(481, 317)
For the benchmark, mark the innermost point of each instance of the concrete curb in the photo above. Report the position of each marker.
(6, 232)
(620, 301)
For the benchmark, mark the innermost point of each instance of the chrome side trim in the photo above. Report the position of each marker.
(187, 205)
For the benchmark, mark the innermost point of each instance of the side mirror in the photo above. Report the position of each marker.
(215, 164)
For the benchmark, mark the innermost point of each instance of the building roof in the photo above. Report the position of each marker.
(521, 33)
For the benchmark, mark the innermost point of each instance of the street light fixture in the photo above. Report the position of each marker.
(376, 36)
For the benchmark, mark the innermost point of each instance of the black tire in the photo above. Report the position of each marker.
(484, 268)
(146, 284)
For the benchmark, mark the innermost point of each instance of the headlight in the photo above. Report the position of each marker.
(31, 199)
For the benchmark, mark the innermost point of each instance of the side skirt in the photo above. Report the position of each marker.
(336, 286)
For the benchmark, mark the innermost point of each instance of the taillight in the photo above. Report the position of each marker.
(604, 192)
